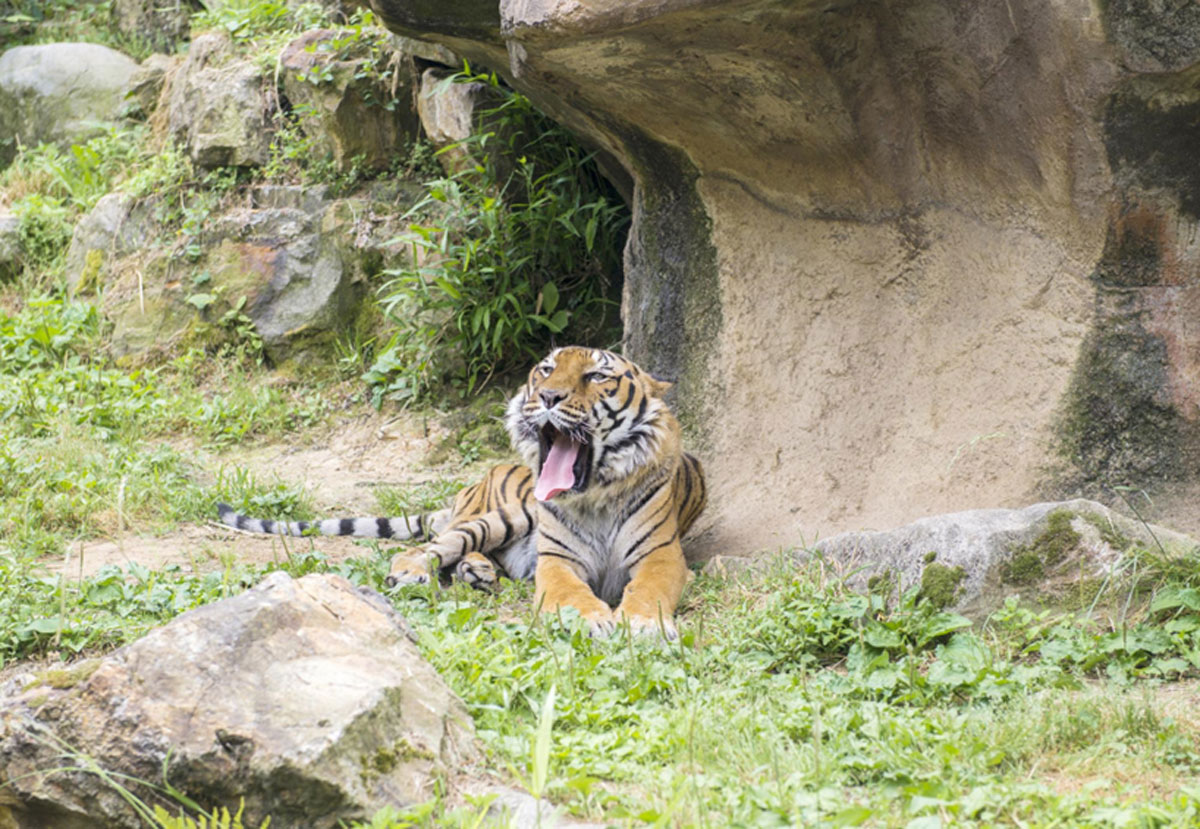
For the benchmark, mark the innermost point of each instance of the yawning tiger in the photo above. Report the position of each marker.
(595, 517)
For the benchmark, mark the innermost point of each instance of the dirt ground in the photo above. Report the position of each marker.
(340, 468)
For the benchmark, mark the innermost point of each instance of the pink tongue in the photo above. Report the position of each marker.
(558, 474)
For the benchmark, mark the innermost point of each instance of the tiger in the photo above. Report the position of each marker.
(595, 515)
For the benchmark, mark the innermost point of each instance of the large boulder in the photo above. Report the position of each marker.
(899, 259)
(59, 92)
(307, 699)
(351, 96)
(973, 560)
(218, 107)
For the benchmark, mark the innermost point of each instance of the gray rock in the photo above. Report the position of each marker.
(217, 108)
(426, 50)
(343, 108)
(115, 227)
(983, 543)
(60, 92)
(302, 290)
(10, 244)
(306, 698)
(291, 265)
(162, 24)
(449, 113)
(146, 84)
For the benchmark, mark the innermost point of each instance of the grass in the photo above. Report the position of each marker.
(790, 700)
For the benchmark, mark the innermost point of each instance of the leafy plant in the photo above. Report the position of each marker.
(522, 246)
(255, 21)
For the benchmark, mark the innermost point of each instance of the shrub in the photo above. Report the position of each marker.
(521, 247)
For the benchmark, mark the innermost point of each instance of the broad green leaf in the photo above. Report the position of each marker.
(549, 297)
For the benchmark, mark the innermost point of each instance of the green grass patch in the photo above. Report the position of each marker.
(88, 449)
(789, 700)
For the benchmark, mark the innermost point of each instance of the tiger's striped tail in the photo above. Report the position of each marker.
(403, 527)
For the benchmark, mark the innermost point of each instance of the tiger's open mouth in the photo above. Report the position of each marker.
(564, 463)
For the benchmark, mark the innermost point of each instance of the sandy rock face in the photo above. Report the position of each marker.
(307, 698)
(900, 260)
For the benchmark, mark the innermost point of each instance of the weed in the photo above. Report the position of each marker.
(260, 24)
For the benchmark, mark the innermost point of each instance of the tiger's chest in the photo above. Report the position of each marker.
(593, 534)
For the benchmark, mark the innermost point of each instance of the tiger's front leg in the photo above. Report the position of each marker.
(558, 584)
(655, 586)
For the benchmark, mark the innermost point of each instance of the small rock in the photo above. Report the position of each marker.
(10, 244)
(113, 228)
(426, 50)
(306, 698)
(146, 84)
(449, 112)
(217, 108)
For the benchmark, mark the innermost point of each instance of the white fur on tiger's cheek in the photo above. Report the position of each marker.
(523, 435)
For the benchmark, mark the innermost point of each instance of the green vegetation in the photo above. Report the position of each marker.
(26, 22)
(522, 246)
(789, 699)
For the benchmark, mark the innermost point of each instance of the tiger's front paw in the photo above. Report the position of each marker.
(596, 613)
(478, 571)
(601, 622)
(643, 625)
(411, 567)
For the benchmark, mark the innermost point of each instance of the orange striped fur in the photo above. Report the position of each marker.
(609, 546)
(594, 517)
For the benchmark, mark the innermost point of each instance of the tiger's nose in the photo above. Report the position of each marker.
(551, 398)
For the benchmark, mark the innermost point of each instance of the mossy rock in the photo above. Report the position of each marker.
(66, 677)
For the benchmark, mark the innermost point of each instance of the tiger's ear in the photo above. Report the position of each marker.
(658, 387)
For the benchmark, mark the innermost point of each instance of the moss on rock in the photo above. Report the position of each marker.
(940, 583)
(1030, 562)
(66, 677)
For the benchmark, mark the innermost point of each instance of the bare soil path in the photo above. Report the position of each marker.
(341, 467)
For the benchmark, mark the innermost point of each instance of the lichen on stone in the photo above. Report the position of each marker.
(1109, 534)
(67, 677)
(385, 759)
